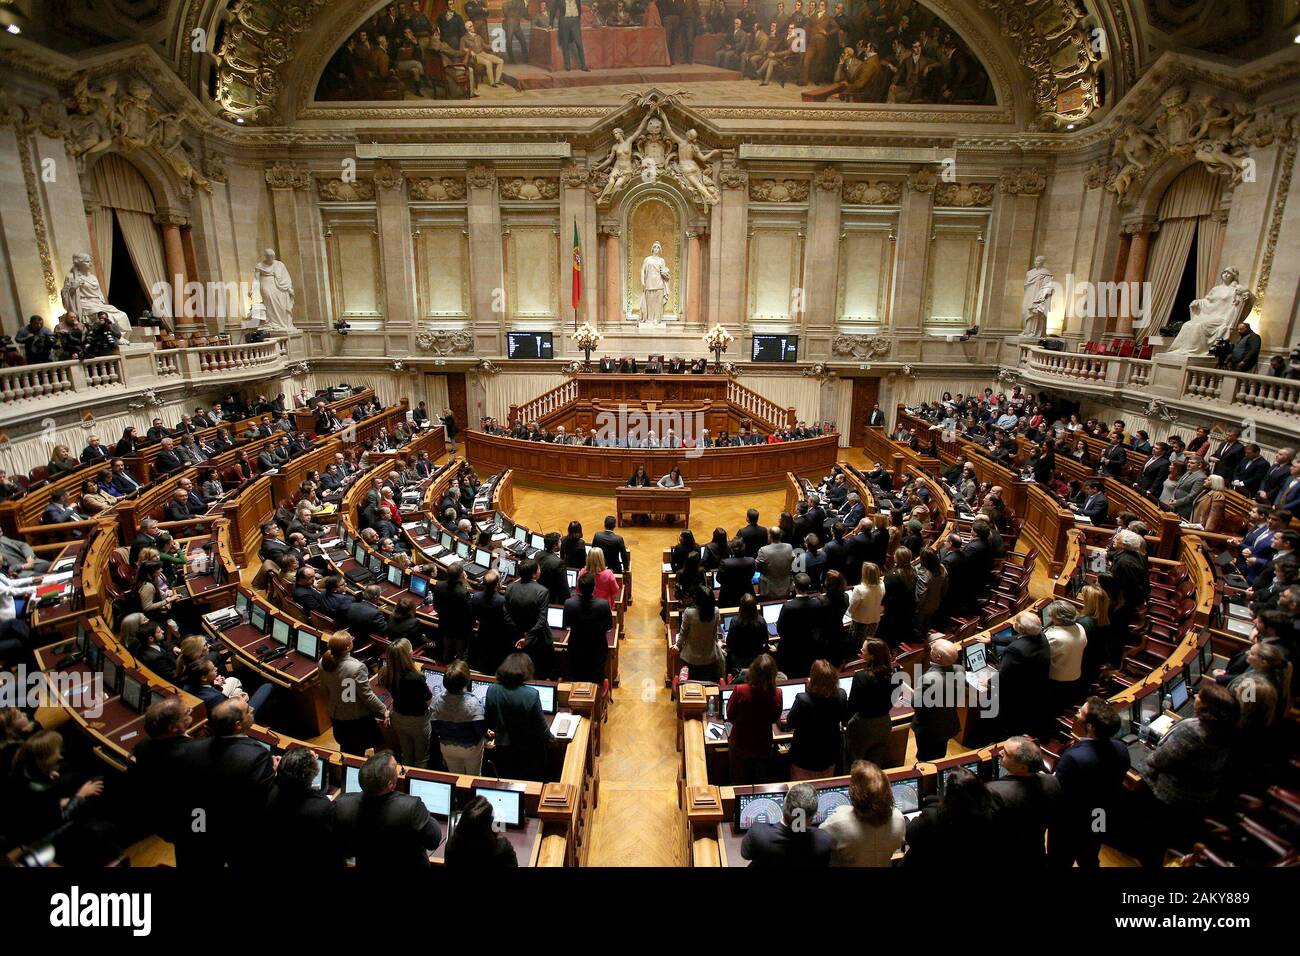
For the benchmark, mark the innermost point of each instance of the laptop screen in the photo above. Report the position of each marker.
(547, 693)
(445, 540)
(321, 779)
(507, 805)
(554, 616)
(506, 567)
(257, 617)
(907, 795)
(132, 692)
(521, 533)
(376, 565)
(462, 549)
(771, 612)
(1178, 693)
(975, 658)
(789, 692)
(280, 629)
(351, 779)
(359, 553)
(483, 558)
(435, 794)
(241, 604)
(537, 541)
(309, 644)
(419, 585)
(754, 808)
(571, 575)
(395, 575)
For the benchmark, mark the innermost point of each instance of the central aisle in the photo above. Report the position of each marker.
(638, 822)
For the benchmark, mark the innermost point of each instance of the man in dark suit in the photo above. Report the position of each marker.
(1128, 567)
(305, 593)
(1091, 774)
(1025, 804)
(493, 641)
(1114, 457)
(1276, 476)
(856, 510)
(979, 556)
(337, 600)
(794, 842)
(235, 780)
(299, 815)
(753, 534)
(157, 432)
(612, 546)
(167, 460)
(836, 550)
(1023, 669)
(526, 604)
(266, 460)
(178, 509)
(455, 618)
(274, 547)
(797, 628)
(1155, 471)
(163, 778)
(877, 417)
(1228, 454)
(569, 15)
(146, 537)
(59, 510)
(1245, 354)
(1250, 472)
(93, 451)
(382, 829)
(1095, 507)
(552, 574)
(1288, 492)
(957, 599)
(121, 482)
(364, 618)
(816, 518)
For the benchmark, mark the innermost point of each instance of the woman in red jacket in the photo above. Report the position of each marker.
(752, 710)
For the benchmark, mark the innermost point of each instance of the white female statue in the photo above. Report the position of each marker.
(83, 297)
(1213, 317)
(1037, 302)
(273, 282)
(654, 286)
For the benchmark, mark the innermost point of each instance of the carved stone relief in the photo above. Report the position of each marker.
(444, 341)
(872, 193)
(342, 190)
(539, 187)
(778, 190)
(445, 189)
(860, 346)
(963, 194)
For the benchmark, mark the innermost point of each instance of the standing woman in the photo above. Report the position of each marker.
(353, 706)
(588, 620)
(685, 546)
(871, 698)
(697, 636)
(475, 843)
(753, 708)
(411, 695)
(515, 719)
(869, 829)
(815, 719)
(608, 586)
(715, 551)
(460, 721)
(830, 631)
(747, 637)
(449, 428)
(931, 587)
(573, 549)
(864, 602)
(899, 615)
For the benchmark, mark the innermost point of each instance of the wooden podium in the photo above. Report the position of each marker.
(657, 502)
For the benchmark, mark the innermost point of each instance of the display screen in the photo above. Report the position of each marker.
(547, 693)
(435, 794)
(776, 348)
(257, 617)
(280, 631)
(419, 585)
(395, 575)
(529, 345)
(507, 805)
(554, 616)
(308, 643)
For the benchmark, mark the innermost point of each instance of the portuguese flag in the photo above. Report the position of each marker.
(577, 266)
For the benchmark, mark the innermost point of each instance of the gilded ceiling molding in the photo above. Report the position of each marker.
(260, 39)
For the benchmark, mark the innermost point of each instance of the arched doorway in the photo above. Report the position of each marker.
(127, 239)
(1186, 251)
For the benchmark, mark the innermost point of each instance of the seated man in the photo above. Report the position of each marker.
(384, 829)
(793, 842)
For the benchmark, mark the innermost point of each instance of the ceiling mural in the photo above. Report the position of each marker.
(756, 52)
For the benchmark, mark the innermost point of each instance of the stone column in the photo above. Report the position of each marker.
(694, 263)
(915, 222)
(1135, 273)
(613, 263)
(94, 210)
(192, 270)
(394, 221)
(174, 261)
(487, 292)
(821, 262)
(1117, 276)
(1012, 248)
(297, 243)
(729, 250)
(578, 206)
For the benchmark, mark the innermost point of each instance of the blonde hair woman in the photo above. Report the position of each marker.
(411, 696)
(869, 829)
(1208, 511)
(608, 585)
(864, 602)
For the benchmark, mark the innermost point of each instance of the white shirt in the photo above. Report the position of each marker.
(11, 588)
(864, 603)
(1067, 645)
(858, 843)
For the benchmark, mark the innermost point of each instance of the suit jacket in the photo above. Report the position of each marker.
(1153, 476)
(1250, 472)
(167, 461)
(735, 578)
(797, 627)
(552, 575)
(123, 483)
(57, 514)
(1022, 686)
(775, 563)
(754, 536)
(526, 604)
(91, 453)
(1185, 492)
(310, 599)
(776, 845)
(612, 546)
(309, 823)
(588, 627)
(1276, 477)
(236, 781)
(1096, 508)
(1229, 455)
(386, 832)
(1023, 808)
(165, 777)
(364, 619)
(1113, 460)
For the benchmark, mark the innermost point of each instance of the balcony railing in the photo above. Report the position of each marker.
(1256, 393)
(27, 382)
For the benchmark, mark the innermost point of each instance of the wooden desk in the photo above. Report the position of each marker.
(665, 502)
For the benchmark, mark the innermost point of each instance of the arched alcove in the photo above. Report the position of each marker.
(124, 221)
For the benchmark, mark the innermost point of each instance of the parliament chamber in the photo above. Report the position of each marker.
(864, 438)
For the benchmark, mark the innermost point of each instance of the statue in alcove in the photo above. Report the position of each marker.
(1037, 302)
(83, 297)
(272, 280)
(654, 286)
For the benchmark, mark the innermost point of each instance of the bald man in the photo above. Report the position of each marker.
(934, 704)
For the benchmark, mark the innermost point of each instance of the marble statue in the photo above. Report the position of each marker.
(654, 286)
(1037, 302)
(1212, 317)
(273, 282)
(83, 297)
(693, 164)
(619, 161)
